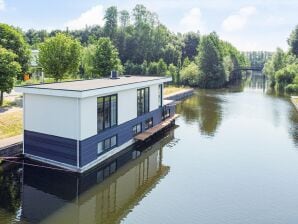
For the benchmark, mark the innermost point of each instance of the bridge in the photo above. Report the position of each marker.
(251, 68)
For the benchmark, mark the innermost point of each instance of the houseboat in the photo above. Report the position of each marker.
(76, 125)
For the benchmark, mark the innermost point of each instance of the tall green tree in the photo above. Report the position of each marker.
(124, 18)
(212, 74)
(12, 39)
(60, 55)
(293, 41)
(191, 42)
(105, 58)
(86, 63)
(111, 22)
(9, 69)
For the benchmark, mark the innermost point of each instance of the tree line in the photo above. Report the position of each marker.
(282, 67)
(133, 43)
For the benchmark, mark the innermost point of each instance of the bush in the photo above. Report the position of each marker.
(190, 75)
(291, 88)
(153, 68)
(286, 75)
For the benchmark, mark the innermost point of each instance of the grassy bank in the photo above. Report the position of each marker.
(11, 123)
(173, 89)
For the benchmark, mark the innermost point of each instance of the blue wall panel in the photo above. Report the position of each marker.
(60, 149)
(88, 147)
(64, 150)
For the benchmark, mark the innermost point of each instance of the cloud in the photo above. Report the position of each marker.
(238, 20)
(192, 21)
(93, 16)
(2, 5)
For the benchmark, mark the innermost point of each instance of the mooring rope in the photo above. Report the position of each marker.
(7, 159)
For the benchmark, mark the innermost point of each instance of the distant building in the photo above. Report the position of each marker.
(36, 71)
(76, 125)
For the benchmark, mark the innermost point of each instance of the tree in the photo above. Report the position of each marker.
(35, 37)
(86, 63)
(191, 42)
(275, 63)
(286, 75)
(9, 69)
(190, 75)
(124, 18)
(153, 68)
(212, 73)
(172, 71)
(111, 21)
(60, 55)
(12, 39)
(293, 41)
(161, 67)
(105, 58)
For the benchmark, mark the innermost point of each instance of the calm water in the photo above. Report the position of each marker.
(233, 158)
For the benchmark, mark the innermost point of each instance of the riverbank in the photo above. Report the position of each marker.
(179, 95)
(294, 100)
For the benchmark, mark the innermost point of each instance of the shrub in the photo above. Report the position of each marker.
(190, 75)
(291, 88)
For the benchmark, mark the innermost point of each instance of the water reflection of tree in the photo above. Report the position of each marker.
(204, 108)
(10, 190)
(293, 129)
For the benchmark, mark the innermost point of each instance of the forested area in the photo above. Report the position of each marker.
(282, 67)
(258, 58)
(133, 43)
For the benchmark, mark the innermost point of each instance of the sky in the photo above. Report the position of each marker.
(248, 25)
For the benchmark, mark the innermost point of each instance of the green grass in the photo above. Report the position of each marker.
(173, 89)
(11, 124)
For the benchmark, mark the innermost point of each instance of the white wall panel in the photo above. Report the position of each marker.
(51, 115)
(88, 117)
(154, 97)
(127, 105)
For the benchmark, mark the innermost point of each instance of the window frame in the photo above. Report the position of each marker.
(106, 124)
(142, 99)
(103, 143)
(149, 120)
(160, 95)
(136, 126)
(166, 113)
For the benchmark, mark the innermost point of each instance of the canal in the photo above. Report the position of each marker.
(232, 158)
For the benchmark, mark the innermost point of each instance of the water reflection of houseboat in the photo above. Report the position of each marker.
(99, 196)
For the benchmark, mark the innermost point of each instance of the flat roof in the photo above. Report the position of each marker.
(86, 88)
(91, 84)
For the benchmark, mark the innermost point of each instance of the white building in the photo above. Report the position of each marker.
(76, 125)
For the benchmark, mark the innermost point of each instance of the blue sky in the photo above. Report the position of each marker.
(249, 25)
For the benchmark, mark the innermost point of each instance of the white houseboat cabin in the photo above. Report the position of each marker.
(78, 124)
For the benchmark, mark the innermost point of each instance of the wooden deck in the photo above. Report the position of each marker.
(151, 131)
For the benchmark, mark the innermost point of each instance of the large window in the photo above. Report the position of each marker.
(106, 112)
(160, 95)
(143, 101)
(106, 144)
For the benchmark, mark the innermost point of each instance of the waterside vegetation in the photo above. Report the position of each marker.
(282, 67)
(133, 43)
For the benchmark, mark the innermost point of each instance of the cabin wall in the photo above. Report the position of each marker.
(127, 109)
(64, 129)
(50, 128)
(51, 115)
